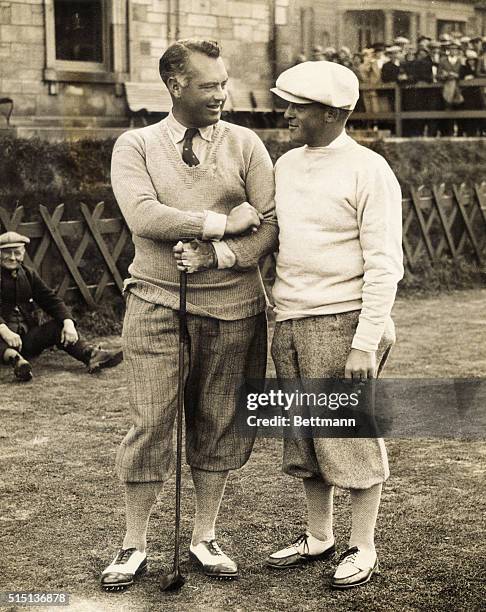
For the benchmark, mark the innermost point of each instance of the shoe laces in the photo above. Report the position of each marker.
(124, 555)
(302, 539)
(214, 548)
(349, 555)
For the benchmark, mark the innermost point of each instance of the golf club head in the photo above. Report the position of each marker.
(172, 582)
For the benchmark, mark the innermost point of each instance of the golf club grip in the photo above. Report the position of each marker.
(180, 412)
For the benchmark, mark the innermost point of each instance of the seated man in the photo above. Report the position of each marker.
(21, 290)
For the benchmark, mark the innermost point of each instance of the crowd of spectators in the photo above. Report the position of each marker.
(447, 61)
(452, 56)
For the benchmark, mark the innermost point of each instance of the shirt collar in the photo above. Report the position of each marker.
(178, 131)
(341, 141)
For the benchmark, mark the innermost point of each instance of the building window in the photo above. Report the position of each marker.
(79, 30)
(86, 40)
(449, 27)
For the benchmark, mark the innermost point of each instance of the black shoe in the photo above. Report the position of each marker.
(297, 554)
(213, 561)
(128, 565)
(22, 368)
(104, 358)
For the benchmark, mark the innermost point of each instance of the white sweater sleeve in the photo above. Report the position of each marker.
(379, 209)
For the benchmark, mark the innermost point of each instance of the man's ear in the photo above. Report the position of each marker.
(174, 86)
(331, 115)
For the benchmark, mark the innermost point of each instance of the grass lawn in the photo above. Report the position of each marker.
(62, 510)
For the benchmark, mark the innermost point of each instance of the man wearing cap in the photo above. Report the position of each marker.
(391, 69)
(21, 292)
(339, 261)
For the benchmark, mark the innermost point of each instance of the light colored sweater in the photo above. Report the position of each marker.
(340, 220)
(163, 200)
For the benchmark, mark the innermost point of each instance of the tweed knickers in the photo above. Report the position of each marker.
(222, 354)
(318, 347)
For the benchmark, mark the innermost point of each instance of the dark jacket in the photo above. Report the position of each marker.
(422, 70)
(25, 291)
(389, 72)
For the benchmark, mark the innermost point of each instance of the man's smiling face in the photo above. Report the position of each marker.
(202, 98)
(307, 122)
(12, 257)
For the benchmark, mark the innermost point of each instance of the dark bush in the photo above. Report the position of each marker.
(423, 162)
(37, 172)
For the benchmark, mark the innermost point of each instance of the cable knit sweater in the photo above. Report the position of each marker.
(163, 200)
(340, 220)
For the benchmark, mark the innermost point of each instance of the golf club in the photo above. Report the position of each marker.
(175, 580)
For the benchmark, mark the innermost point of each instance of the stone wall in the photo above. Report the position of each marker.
(260, 38)
(243, 29)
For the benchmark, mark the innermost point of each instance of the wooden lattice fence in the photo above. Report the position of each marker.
(87, 251)
(90, 255)
(439, 223)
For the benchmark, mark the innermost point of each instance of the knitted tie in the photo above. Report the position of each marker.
(188, 155)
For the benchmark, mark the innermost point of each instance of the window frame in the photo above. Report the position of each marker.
(113, 69)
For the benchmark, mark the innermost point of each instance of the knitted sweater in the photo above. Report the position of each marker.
(163, 200)
(339, 214)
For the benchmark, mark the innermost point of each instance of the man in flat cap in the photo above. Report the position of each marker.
(340, 259)
(22, 291)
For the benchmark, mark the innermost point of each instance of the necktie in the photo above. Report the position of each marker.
(188, 155)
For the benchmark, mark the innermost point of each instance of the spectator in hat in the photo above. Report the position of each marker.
(401, 41)
(357, 64)
(469, 69)
(22, 291)
(422, 67)
(450, 64)
(317, 53)
(449, 74)
(477, 44)
(333, 298)
(435, 49)
(391, 69)
(379, 59)
(424, 41)
(371, 70)
(344, 57)
(465, 43)
(473, 96)
(330, 54)
(482, 60)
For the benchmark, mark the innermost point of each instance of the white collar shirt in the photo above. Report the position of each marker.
(200, 142)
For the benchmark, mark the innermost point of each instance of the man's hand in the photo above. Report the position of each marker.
(194, 256)
(360, 364)
(11, 338)
(242, 218)
(69, 335)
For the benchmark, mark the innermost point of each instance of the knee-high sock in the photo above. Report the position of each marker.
(140, 498)
(319, 497)
(364, 510)
(209, 487)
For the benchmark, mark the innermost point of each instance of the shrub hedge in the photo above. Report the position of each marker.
(37, 172)
(34, 172)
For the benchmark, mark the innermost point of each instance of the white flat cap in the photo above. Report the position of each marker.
(12, 239)
(324, 82)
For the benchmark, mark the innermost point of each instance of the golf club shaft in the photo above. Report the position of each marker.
(180, 412)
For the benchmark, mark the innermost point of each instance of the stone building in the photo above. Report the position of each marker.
(64, 62)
